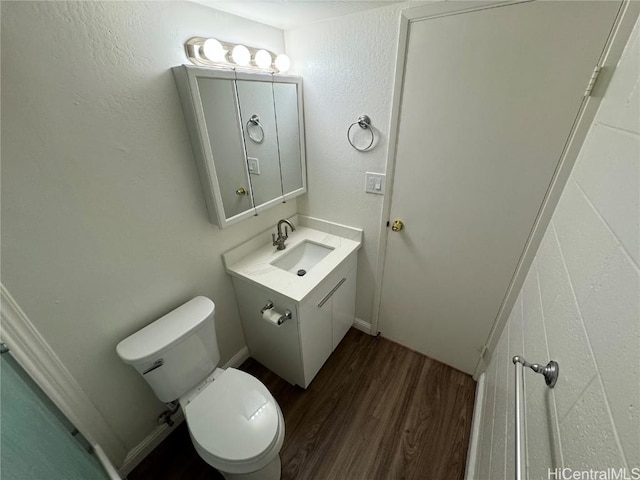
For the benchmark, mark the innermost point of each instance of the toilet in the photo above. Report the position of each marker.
(235, 424)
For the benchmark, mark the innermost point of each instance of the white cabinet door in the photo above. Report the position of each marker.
(315, 332)
(343, 307)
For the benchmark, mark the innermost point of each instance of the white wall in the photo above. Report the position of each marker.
(580, 306)
(104, 225)
(348, 67)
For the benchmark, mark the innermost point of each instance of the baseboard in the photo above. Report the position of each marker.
(474, 441)
(363, 326)
(238, 359)
(144, 448)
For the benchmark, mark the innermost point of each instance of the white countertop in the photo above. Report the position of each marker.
(255, 266)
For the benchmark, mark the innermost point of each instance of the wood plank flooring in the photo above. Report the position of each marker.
(376, 410)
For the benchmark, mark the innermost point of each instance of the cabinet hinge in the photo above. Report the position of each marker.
(592, 81)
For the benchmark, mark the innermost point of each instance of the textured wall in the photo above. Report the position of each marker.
(348, 66)
(580, 306)
(104, 225)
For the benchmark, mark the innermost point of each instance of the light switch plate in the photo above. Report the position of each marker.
(375, 183)
(254, 165)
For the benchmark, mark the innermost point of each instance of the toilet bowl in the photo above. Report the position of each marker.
(235, 424)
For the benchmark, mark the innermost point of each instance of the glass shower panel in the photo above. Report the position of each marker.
(35, 440)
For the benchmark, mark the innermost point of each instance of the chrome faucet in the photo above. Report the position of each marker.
(278, 242)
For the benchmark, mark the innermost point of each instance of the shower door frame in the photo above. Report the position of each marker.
(39, 361)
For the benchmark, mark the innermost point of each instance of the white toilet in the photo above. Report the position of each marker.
(235, 423)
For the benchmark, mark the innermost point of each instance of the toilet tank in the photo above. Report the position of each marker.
(176, 352)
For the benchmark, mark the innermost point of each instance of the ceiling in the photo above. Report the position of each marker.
(288, 14)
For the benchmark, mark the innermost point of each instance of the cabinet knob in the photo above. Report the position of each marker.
(241, 191)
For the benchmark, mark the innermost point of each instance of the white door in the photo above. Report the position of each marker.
(489, 98)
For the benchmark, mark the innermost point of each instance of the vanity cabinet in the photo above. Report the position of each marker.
(297, 349)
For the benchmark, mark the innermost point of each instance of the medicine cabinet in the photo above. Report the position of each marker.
(247, 134)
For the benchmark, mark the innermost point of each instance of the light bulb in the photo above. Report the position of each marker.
(213, 50)
(241, 55)
(283, 63)
(263, 59)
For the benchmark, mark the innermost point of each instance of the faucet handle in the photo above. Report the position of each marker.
(273, 239)
(286, 232)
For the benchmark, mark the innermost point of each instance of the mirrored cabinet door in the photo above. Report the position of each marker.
(224, 136)
(247, 134)
(285, 100)
(261, 140)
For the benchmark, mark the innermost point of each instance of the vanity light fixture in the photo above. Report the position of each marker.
(283, 63)
(263, 59)
(214, 53)
(241, 55)
(213, 50)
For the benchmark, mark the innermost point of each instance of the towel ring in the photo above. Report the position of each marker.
(363, 122)
(255, 120)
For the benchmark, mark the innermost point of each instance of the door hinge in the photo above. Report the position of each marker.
(592, 81)
(483, 352)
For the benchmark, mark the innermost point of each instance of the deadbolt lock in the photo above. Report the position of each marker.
(397, 225)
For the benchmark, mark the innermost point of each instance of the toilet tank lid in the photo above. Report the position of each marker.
(165, 331)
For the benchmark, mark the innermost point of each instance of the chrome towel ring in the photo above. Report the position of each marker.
(363, 122)
(255, 121)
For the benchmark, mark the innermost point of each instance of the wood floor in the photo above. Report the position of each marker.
(376, 410)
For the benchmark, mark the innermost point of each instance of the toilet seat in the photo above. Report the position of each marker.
(235, 423)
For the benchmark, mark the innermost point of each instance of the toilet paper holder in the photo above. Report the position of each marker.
(283, 316)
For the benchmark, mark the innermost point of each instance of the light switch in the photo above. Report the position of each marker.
(254, 165)
(374, 183)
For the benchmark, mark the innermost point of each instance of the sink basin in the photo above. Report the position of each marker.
(302, 258)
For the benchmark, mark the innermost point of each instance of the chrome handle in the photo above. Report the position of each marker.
(157, 364)
(333, 290)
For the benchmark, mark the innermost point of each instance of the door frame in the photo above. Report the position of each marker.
(38, 360)
(609, 58)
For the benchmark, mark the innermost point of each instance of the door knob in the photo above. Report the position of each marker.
(241, 191)
(397, 225)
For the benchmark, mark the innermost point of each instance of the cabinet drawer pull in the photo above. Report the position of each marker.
(333, 290)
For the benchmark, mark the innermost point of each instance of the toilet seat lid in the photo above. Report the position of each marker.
(234, 418)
